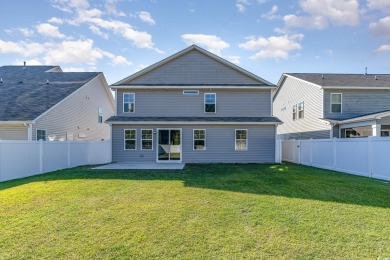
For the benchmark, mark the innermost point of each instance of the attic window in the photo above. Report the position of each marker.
(190, 92)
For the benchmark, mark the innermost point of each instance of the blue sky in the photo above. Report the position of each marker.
(266, 37)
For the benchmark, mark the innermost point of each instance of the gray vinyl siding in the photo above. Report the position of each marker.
(256, 103)
(78, 114)
(292, 92)
(220, 144)
(357, 103)
(193, 68)
(13, 132)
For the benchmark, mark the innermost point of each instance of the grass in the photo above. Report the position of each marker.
(205, 211)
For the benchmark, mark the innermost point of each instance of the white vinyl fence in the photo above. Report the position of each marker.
(368, 157)
(20, 159)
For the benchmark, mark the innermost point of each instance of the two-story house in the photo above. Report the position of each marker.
(193, 107)
(315, 105)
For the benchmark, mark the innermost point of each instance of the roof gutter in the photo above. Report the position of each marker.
(356, 87)
(193, 87)
(25, 123)
(190, 123)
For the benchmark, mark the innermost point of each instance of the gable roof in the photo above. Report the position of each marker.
(339, 81)
(25, 94)
(193, 66)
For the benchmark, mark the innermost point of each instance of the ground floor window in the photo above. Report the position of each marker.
(356, 132)
(199, 139)
(241, 143)
(146, 139)
(130, 139)
(41, 135)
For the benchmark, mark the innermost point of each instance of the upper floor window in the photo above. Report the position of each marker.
(128, 102)
(41, 135)
(130, 139)
(294, 112)
(241, 140)
(335, 102)
(199, 139)
(210, 102)
(100, 115)
(301, 109)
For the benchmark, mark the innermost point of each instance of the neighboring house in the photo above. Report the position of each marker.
(42, 102)
(314, 105)
(193, 107)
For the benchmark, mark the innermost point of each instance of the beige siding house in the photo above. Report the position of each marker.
(42, 102)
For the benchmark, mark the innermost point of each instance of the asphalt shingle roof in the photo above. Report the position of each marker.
(25, 94)
(345, 80)
(116, 119)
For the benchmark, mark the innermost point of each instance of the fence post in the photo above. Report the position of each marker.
(40, 156)
(370, 156)
(311, 151)
(299, 151)
(68, 153)
(334, 153)
(1, 148)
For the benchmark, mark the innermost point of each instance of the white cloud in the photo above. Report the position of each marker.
(212, 43)
(49, 30)
(146, 17)
(110, 6)
(28, 62)
(277, 47)
(382, 49)
(382, 27)
(378, 4)
(95, 30)
(271, 14)
(309, 22)
(325, 12)
(234, 59)
(93, 17)
(65, 52)
(73, 69)
(26, 32)
(241, 5)
(120, 61)
(56, 20)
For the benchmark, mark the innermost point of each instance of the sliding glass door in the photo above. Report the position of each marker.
(169, 145)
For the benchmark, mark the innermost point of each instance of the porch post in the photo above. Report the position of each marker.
(376, 130)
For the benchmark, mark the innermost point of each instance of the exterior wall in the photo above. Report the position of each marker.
(193, 68)
(294, 91)
(154, 103)
(78, 114)
(357, 103)
(14, 132)
(220, 144)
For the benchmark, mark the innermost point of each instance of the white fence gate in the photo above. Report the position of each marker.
(368, 157)
(20, 159)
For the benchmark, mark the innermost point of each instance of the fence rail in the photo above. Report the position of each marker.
(368, 157)
(20, 159)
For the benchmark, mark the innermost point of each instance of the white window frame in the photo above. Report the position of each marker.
(204, 102)
(235, 140)
(123, 101)
(142, 139)
(124, 139)
(191, 92)
(341, 102)
(193, 139)
(36, 134)
(100, 115)
(301, 110)
(295, 112)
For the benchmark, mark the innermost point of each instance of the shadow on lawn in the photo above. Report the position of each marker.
(287, 180)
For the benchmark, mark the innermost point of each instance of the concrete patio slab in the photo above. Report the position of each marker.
(141, 166)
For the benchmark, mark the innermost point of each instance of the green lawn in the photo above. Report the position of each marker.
(205, 211)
